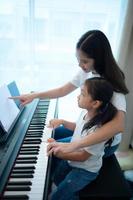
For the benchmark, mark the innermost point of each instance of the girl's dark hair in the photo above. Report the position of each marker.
(100, 89)
(95, 45)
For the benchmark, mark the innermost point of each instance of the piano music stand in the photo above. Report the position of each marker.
(14, 92)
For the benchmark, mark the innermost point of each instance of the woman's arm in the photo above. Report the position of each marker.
(74, 156)
(80, 155)
(108, 130)
(55, 93)
(58, 92)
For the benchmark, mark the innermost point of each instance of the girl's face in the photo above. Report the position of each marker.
(87, 64)
(85, 100)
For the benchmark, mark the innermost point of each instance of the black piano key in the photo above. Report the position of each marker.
(21, 176)
(38, 110)
(37, 122)
(28, 153)
(15, 197)
(18, 188)
(34, 133)
(24, 167)
(26, 146)
(33, 138)
(29, 147)
(26, 161)
(35, 128)
(19, 183)
(32, 142)
(22, 171)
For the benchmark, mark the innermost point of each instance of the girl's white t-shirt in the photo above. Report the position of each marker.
(94, 162)
(118, 99)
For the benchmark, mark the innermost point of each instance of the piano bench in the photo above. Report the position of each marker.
(109, 185)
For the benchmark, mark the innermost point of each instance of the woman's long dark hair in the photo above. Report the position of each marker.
(95, 45)
(100, 89)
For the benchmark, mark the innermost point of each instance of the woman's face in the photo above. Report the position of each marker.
(86, 64)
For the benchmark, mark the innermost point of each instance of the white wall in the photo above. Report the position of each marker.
(128, 70)
(126, 63)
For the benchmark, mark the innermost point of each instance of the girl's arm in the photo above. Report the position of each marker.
(54, 123)
(55, 93)
(108, 130)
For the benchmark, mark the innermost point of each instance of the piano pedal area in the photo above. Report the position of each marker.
(28, 178)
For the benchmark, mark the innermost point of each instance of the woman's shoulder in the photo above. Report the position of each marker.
(119, 101)
(118, 96)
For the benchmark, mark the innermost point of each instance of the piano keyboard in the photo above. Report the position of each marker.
(28, 176)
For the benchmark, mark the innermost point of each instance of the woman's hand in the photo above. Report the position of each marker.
(54, 123)
(24, 99)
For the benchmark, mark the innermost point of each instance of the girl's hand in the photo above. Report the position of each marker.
(24, 99)
(54, 123)
(56, 147)
(49, 150)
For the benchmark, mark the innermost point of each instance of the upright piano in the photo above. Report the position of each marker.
(24, 165)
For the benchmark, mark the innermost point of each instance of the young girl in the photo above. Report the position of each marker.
(95, 58)
(79, 168)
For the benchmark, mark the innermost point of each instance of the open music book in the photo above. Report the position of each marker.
(8, 108)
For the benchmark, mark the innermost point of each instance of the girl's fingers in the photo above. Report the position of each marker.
(50, 140)
(49, 152)
(50, 145)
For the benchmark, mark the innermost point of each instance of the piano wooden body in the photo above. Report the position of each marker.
(24, 165)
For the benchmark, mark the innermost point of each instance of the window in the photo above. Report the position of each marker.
(38, 37)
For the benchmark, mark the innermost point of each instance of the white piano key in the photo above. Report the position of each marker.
(19, 179)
